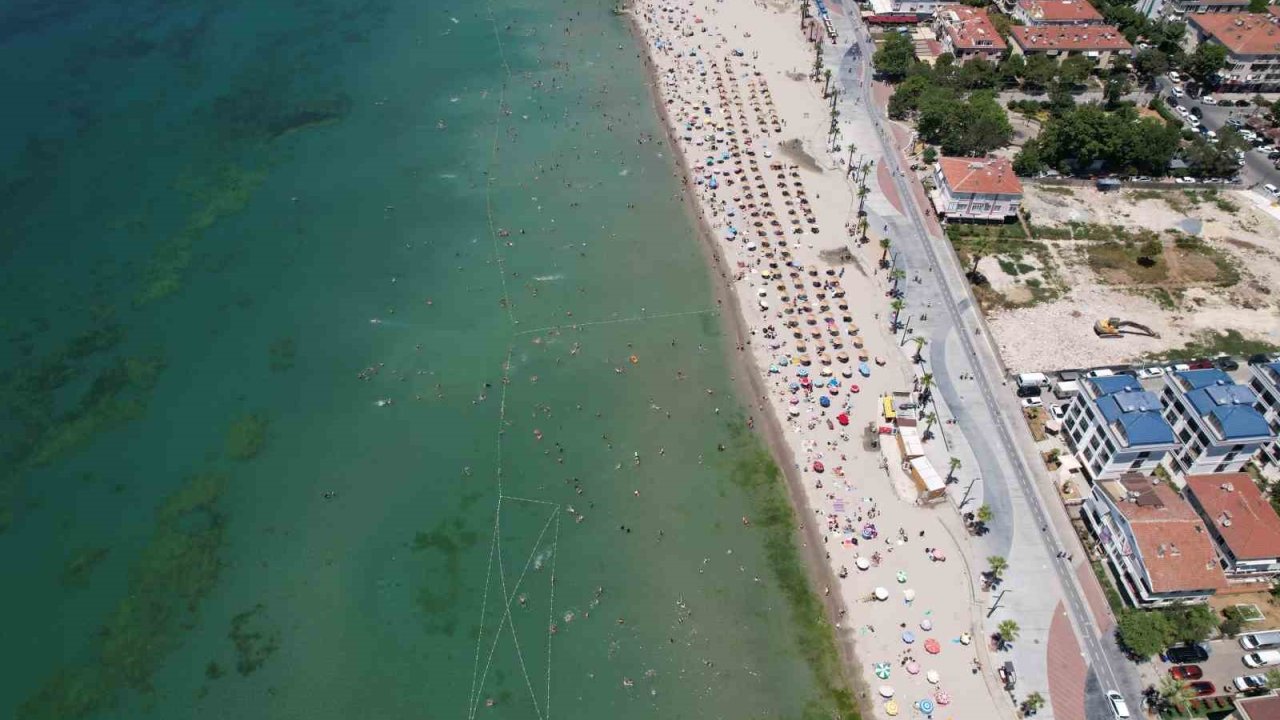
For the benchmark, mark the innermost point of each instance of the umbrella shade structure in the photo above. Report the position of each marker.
(942, 697)
(824, 401)
(932, 647)
(880, 593)
(965, 638)
(926, 706)
(937, 554)
(882, 670)
(926, 624)
(864, 369)
(886, 691)
(909, 594)
(843, 418)
(818, 467)
(862, 563)
(891, 708)
(913, 667)
(902, 576)
(932, 676)
(908, 637)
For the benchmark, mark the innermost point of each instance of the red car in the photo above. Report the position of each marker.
(1186, 672)
(1202, 688)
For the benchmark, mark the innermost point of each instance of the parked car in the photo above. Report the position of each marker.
(1151, 372)
(1209, 100)
(1259, 359)
(1272, 190)
(1187, 654)
(1118, 707)
(1032, 402)
(1263, 658)
(1058, 411)
(1250, 683)
(1202, 688)
(1027, 391)
(1227, 363)
(1186, 672)
(1180, 110)
(1201, 364)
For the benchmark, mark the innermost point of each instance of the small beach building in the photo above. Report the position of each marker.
(1215, 421)
(1242, 524)
(929, 484)
(1157, 546)
(1264, 380)
(910, 443)
(967, 33)
(976, 189)
(1115, 427)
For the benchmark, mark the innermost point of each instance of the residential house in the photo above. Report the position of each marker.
(1262, 707)
(922, 9)
(1177, 9)
(1116, 427)
(1215, 420)
(967, 33)
(1156, 545)
(1265, 381)
(1242, 524)
(1056, 12)
(1099, 43)
(1252, 41)
(976, 189)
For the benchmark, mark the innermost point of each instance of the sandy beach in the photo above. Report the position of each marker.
(731, 81)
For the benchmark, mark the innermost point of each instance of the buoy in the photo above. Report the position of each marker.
(634, 359)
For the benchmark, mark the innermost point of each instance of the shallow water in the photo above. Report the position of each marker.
(233, 233)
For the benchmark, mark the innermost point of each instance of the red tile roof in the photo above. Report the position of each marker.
(1244, 518)
(1060, 11)
(980, 175)
(1266, 707)
(1175, 547)
(1068, 37)
(970, 28)
(1241, 33)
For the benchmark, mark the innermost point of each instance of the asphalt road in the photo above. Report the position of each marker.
(1011, 473)
(1258, 169)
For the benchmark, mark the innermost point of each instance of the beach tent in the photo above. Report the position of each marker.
(929, 484)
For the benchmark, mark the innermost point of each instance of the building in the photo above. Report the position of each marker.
(967, 33)
(1214, 420)
(1056, 12)
(1242, 524)
(922, 9)
(1099, 43)
(1156, 544)
(1177, 9)
(1265, 382)
(1263, 707)
(976, 189)
(1116, 427)
(1252, 41)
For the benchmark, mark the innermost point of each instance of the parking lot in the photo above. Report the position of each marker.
(1222, 667)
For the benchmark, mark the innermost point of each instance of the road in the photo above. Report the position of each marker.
(1029, 529)
(1258, 169)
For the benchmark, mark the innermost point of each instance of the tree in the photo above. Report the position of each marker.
(1209, 160)
(1232, 621)
(1033, 703)
(920, 342)
(1150, 64)
(885, 244)
(1008, 631)
(1117, 87)
(1075, 70)
(977, 74)
(996, 566)
(929, 421)
(1258, 6)
(1040, 70)
(1028, 162)
(955, 465)
(1189, 623)
(897, 306)
(1205, 62)
(894, 57)
(1273, 678)
(1174, 693)
(826, 82)
(1143, 632)
(1010, 70)
(930, 156)
(1150, 251)
(985, 514)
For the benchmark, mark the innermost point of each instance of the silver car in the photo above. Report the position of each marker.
(1118, 706)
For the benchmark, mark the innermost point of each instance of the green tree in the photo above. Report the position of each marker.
(906, 96)
(1205, 62)
(1040, 70)
(1008, 630)
(977, 74)
(894, 56)
(1010, 70)
(1258, 6)
(1075, 70)
(1143, 632)
(955, 465)
(1028, 162)
(1208, 160)
(1151, 250)
(930, 156)
(920, 342)
(1174, 693)
(1190, 623)
(1150, 64)
(1117, 87)
(996, 566)
(1033, 703)
(1273, 678)
(1232, 621)
(985, 513)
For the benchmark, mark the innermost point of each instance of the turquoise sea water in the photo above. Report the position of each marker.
(319, 321)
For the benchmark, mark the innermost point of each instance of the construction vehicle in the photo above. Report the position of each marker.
(1115, 327)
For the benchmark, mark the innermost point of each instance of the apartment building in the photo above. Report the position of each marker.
(1116, 427)
(1156, 544)
(967, 33)
(1177, 9)
(1215, 421)
(976, 189)
(1242, 524)
(1100, 43)
(1265, 382)
(1056, 12)
(1252, 41)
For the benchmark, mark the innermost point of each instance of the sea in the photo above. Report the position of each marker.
(360, 360)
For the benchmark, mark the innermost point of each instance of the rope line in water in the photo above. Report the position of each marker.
(633, 318)
(484, 604)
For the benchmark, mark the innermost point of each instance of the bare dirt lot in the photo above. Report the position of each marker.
(1191, 265)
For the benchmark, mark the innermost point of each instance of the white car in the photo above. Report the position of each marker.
(1176, 91)
(1272, 190)
(1174, 76)
(1058, 411)
(1118, 707)
(1032, 402)
(1209, 100)
(1245, 683)
(1181, 110)
(1151, 372)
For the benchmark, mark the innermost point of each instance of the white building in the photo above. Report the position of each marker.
(1252, 41)
(1116, 427)
(1177, 9)
(976, 189)
(1155, 542)
(1056, 12)
(1242, 524)
(1214, 420)
(1265, 382)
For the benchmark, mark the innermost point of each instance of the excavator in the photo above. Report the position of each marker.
(1112, 328)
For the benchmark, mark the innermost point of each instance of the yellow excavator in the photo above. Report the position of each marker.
(1115, 327)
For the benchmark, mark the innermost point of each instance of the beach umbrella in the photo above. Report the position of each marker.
(818, 467)
(848, 372)
(938, 554)
(909, 594)
(932, 647)
(864, 369)
(926, 624)
(942, 697)
(902, 576)
(886, 691)
(926, 706)
(932, 676)
(826, 372)
(824, 401)
(908, 637)
(913, 667)
(882, 670)
(802, 372)
(965, 638)
(862, 563)
(891, 708)
(854, 388)
(880, 593)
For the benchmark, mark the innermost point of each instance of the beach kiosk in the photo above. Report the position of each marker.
(909, 443)
(930, 486)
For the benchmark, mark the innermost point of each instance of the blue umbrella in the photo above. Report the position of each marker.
(824, 401)
(908, 637)
(803, 372)
(926, 706)
(864, 369)
(833, 383)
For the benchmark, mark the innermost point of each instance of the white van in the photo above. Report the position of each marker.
(1066, 389)
(1272, 190)
(1264, 658)
(1261, 640)
(1026, 380)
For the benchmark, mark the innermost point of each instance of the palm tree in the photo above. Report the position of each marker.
(996, 566)
(852, 147)
(1034, 702)
(897, 306)
(1008, 631)
(984, 513)
(1174, 693)
(885, 243)
(826, 83)
(926, 387)
(955, 465)
(897, 275)
(929, 420)
(920, 342)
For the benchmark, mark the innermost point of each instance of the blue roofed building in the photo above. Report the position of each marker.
(1265, 381)
(1116, 427)
(1215, 420)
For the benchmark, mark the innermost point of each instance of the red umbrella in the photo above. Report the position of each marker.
(818, 466)
(932, 647)
(843, 418)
